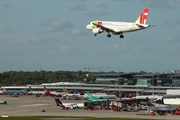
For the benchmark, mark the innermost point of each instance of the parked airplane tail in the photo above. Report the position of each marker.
(47, 92)
(130, 95)
(45, 89)
(65, 91)
(81, 93)
(58, 102)
(142, 17)
(4, 89)
(89, 95)
(149, 102)
(30, 88)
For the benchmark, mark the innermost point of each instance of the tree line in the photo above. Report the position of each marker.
(39, 77)
(17, 78)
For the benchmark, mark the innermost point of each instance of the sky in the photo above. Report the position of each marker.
(51, 35)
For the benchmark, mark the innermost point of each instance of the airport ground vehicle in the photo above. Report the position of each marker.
(3, 102)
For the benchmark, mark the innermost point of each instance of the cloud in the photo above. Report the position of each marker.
(50, 26)
(6, 5)
(3, 40)
(76, 0)
(79, 32)
(103, 5)
(97, 13)
(172, 39)
(79, 8)
(36, 40)
(162, 4)
(176, 1)
(173, 22)
(64, 49)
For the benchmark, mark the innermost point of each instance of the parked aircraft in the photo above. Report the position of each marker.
(68, 105)
(104, 95)
(160, 107)
(92, 98)
(19, 91)
(118, 28)
(52, 93)
(35, 92)
(70, 95)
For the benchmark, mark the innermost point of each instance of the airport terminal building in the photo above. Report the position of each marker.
(116, 82)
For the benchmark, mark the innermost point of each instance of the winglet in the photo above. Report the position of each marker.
(142, 17)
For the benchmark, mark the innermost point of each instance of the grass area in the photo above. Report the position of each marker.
(62, 118)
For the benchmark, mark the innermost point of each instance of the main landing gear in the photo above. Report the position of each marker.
(121, 36)
(108, 35)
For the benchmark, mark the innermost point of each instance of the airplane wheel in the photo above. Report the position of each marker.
(108, 35)
(95, 35)
(121, 36)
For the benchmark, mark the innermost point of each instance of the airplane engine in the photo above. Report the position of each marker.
(97, 30)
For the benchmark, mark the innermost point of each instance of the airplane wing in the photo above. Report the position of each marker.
(107, 29)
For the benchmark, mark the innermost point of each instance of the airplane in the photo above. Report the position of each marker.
(118, 28)
(52, 93)
(8, 91)
(160, 107)
(68, 105)
(69, 95)
(92, 98)
(104, 95)
(35, 92)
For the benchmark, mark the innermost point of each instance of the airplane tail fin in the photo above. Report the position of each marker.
(58, 102)
(81, 93)
(65, 91)
(142, 17)
(30, 88)
(89, 95)
(130, 95)
(45, 89)
(149, 102)
(4, 89)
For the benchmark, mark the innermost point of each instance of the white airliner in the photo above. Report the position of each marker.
(68, 105)
(118, 28)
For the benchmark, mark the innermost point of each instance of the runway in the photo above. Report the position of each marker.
(33, 106)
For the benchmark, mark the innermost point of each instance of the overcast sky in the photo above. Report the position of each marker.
(52, 35)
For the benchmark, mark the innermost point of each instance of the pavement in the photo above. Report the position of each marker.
(30, 105)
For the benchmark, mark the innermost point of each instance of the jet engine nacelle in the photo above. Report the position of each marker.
(97, 30)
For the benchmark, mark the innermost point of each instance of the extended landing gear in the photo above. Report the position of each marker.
(95, 35)
(108, 35)
(121, 36)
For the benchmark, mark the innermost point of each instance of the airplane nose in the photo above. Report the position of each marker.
(88, 27)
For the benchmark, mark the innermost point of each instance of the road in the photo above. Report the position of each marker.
(32, 106)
